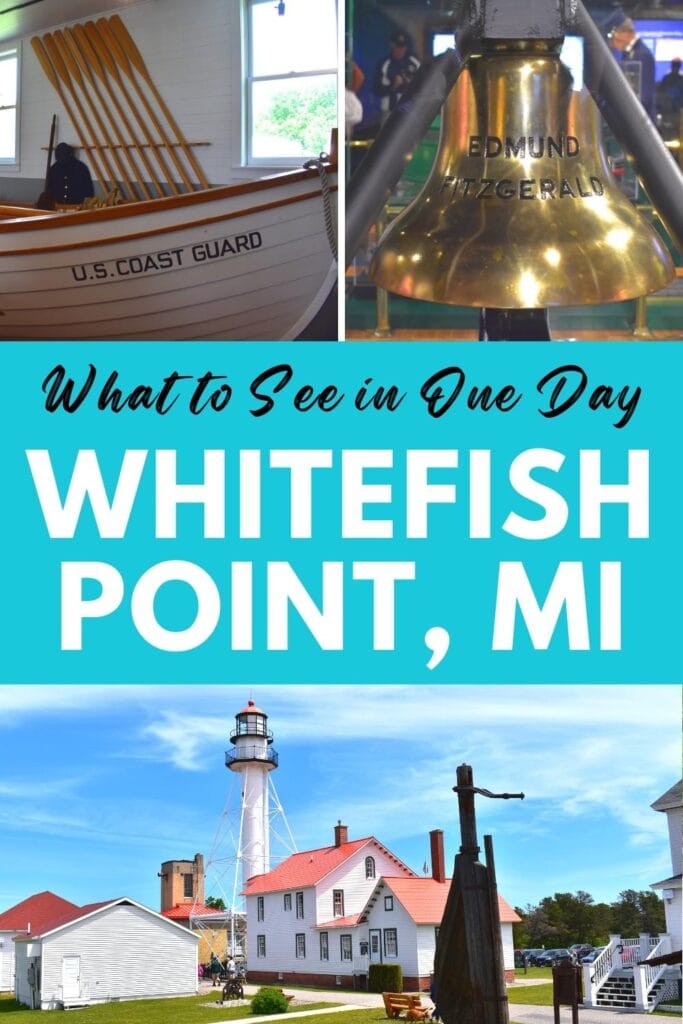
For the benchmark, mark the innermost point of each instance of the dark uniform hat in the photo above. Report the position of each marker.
(399, 38)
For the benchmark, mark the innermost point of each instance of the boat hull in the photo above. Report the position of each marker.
(246, 262)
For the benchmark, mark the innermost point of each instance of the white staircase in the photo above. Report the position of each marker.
(621, 978)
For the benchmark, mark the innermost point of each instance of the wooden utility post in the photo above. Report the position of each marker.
(469, 975)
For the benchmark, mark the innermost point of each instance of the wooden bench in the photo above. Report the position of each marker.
(399, 1004)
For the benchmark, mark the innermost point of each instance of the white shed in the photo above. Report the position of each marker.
(105, 951)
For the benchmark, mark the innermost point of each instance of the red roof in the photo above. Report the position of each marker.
(308, 868)
(184, 911)
(424, 899)
(251, 709)
(341, 922)
(36, 911)
(66, 917)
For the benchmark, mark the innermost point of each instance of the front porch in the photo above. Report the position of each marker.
(624, 976)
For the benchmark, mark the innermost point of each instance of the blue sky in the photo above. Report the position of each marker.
(99, 785)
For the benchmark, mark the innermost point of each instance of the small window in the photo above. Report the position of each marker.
(187, 886)
(291, 95)
(9, 79)
(299, 904)
(390, 942)
(300, 946)
(288, 901)
(337, 903)
(436, 933)
(324, 946)
(388, 902)
(369, 867)
(260, 908)
(345, 947)
(260, 945)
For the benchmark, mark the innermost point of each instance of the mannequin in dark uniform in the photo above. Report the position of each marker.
(626, 40)
(68, 180)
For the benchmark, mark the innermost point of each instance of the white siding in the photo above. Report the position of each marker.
(192, 52)
(350, 877)
(280, 927)
(406, 933)
(7, 961)
(508, 947)
(675, 822)
(126, 953)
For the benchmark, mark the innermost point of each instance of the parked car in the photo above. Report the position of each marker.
(580, 949)
(589, 958)
(553, 957)
(532, 956)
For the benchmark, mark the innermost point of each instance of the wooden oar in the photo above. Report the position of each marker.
(113, 70)
(53, 78)
(68, 41)
(45, 200)
(73, 69)
(63, 72)
(99, 64)
(135, 57)
(91, 60)
(121, 58)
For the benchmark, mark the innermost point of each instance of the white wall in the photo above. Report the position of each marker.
(408, 934)
(350, 877)
(191, 52)
(675, 822)
(7, 961)
(126, 953)
(280, 926)
(673, 910)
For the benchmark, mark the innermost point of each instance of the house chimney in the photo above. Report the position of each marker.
(438, 859)
(341, 834)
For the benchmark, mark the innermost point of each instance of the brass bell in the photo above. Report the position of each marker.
(520, 210)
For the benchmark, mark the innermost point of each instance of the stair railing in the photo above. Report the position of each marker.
(646, 976)
(596, 974)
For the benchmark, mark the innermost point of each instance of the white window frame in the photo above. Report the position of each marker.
(260, 908)
(288, 901)
(300, 905)
(390, 935)
(388, 903)
(324, 946)
(13, 53)
(337, 903)
(260, 946)
(300, 946)
(370, 867)
(247, 79)
(346, 948)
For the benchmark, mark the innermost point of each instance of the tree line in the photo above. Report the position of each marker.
(566, 918)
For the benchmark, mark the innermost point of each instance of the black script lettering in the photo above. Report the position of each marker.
(62, 391)
(284, 372)
(560, 399)
(378, 397)
(627, 402)
(438, 401)
(142, 395)
(504, 400)
(218, 399)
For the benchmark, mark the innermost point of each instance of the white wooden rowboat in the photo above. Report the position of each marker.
(235, 262)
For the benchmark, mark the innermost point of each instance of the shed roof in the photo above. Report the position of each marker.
(66, 917)
(35, 912)
(670, 800)
(184, 911)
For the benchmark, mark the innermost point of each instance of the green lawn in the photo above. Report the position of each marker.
(186, 1010)
(534, 972)
(531, 995)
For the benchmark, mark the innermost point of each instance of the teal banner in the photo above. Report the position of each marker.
(321, 513)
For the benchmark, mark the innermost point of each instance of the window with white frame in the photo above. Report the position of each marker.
(369, 867)
(390, 942)
(260, 945)
(337, 903)
(300, 946)
(388, 902)
(324, 946)
(291, 79)
(345, 947)
(9, 88)
(288, 901)
(299, 904)
(260, 908)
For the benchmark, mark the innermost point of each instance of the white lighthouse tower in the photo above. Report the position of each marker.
(254, 757)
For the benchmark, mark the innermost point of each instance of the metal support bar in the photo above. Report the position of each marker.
(632, 126)
(383, 164)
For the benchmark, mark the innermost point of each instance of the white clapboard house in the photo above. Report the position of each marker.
(114, 950)
(671, 804)
(322, 916)
(31, 914)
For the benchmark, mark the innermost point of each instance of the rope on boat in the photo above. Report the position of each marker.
(319, 166)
